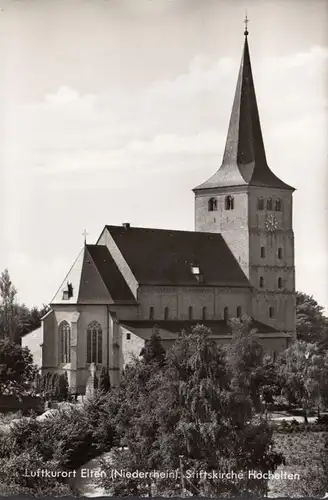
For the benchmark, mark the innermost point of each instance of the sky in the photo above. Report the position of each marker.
(111, 111)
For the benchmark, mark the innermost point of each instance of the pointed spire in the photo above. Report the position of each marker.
(244, 158)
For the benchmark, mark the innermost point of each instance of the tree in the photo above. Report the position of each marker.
(187, 406)
(17, 370)
(247, 364)
(29, 319)
(104, 381)
(16, 319)
(63, 387)
(8, 303)
(311, 323)
(153, 349)
(304, 370)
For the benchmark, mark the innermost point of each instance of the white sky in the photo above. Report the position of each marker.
(113, 110)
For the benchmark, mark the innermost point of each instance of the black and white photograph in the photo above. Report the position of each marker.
(164, 251)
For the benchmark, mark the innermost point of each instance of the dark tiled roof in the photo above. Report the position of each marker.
(218, 327)
(164, 257)
(110, 274)
(244, 160)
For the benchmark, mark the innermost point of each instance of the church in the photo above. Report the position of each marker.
(239, 259)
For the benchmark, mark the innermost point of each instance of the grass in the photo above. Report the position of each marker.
(303, 454)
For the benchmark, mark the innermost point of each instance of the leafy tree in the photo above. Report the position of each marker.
(17, 370)
(248, 366)
(304, 370)
(16, 319)
(189, 407)
(29, 319)
(104, 380)
(311, 323)
(8, 295)
(63, 387)
(153, 349)
(54, 390)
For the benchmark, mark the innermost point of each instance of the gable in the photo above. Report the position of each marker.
(92, 287)
(73, 277)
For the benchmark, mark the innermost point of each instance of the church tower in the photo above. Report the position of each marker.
(252, 209)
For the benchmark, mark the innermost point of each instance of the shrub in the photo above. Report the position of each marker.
(15, 479)
(70, 437)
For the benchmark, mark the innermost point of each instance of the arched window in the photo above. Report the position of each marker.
(260, 203)
(279, 282)
(261, 282)
(278, 205)
(212, 205)
(190, 312)
(271, 312)
(229, 203)
(204, 313)
(94, 343)
(166, 313)
(262, 252)
(269, 204)
(238, 311)
(279, 253)
(226, 314)
(64, 342)
(151, 313)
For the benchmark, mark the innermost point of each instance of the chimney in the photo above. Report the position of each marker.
(126, 225)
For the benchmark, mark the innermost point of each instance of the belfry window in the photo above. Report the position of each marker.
(94, 343)
(279, 253)
(261, 282)
(238, 311)
(260, 203)
(212, 205)
(64, 342)
(269, 204)
(226, 314)
(279, 282)
(229, 203)
(271, 312)
(151, 313)
(262, 252)
(166, 313)
(278, 205)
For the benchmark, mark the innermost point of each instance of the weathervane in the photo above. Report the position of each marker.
(246, 23)
(85, 234)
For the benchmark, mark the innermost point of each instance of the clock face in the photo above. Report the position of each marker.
(271, 223)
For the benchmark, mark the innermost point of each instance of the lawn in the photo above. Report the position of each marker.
(303, 452)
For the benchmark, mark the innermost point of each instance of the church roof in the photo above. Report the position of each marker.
(217, 327)
(165, 257)
(111, 277)
(244, 160)
(94, 278)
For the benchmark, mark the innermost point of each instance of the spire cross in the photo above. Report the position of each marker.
(246, 24)
(85, 234)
